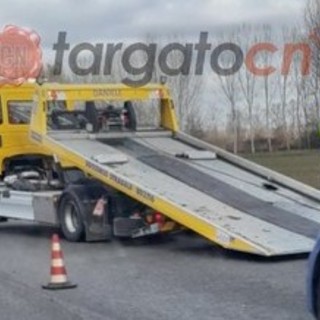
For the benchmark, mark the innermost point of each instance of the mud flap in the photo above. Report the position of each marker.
(127, 227)
(96, 226)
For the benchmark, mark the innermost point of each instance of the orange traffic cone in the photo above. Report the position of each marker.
(58, 271)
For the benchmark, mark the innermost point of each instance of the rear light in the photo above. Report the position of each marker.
(155, 217)
(159, 218)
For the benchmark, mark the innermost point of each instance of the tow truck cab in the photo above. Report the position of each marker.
(16, 149)
(54, 191)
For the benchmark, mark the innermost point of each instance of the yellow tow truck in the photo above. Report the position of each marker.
(104, 161)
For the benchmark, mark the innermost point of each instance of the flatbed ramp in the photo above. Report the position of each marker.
(228, 205)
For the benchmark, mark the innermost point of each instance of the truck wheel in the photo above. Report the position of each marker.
(132, 124)
(71, 218)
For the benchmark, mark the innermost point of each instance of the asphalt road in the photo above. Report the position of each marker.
(182, 277)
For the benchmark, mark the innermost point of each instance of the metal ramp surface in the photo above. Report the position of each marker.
(228, 205)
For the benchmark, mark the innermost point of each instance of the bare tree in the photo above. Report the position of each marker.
(300, 95)
(230, 127)
(268, 86)
(283, 91)
(312, 22)
(228, 88)
(284, 85)
(247, 36)
(186, 87)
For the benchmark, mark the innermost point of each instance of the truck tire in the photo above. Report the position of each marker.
(71, 218)
(132, 124)
(75, 203)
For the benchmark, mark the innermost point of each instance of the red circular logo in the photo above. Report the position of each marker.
(20, 55)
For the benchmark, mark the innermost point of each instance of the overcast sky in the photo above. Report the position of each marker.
(120, 20)
(86, 20)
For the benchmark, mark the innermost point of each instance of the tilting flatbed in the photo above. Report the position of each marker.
(224, 198)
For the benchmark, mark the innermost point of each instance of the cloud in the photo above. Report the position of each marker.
(109, 19)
